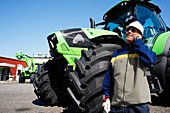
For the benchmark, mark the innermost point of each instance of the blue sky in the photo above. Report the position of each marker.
(25, 24)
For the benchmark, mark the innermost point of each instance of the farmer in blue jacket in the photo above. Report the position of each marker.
(125, 86)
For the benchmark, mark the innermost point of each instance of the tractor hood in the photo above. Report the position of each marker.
(99, 36)
(64, 41)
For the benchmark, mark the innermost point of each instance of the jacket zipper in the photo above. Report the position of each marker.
(123, 98)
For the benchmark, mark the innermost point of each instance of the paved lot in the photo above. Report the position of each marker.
(20, 98)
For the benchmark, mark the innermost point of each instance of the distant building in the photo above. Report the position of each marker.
(9, 66)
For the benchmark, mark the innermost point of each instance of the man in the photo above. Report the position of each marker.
(125, 85)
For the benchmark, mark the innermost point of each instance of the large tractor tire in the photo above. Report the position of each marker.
(45, 91)
(51, 84)
(32, 77)
(165, 75)
(86, 81)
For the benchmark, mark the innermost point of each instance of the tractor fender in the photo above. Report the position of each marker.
(162, 44)
(161, 48)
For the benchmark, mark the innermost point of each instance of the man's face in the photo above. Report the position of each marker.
(131, 34)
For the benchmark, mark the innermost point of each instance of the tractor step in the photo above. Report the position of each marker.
(154, 84)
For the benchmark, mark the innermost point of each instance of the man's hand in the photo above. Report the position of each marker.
(106, 104)
(137, 37)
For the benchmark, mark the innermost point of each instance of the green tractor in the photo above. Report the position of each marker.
(30, 70)
(77, 68)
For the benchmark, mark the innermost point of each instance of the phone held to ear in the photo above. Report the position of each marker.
(136, 37)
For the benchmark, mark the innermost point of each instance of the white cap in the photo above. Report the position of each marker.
(137, 25)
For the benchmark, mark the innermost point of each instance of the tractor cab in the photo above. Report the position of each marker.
(144, 11)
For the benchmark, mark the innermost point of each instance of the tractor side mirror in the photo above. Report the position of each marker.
(92, 23)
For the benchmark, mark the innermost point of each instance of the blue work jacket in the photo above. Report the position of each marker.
(125, 80)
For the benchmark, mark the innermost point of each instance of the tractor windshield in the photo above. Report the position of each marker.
(151, 22)
(117, 23)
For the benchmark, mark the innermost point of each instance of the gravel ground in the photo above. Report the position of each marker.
(20, 98)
